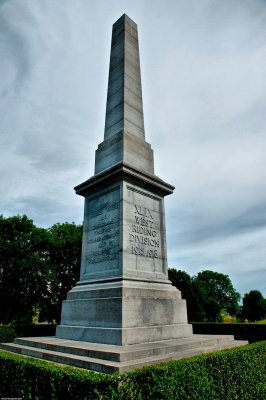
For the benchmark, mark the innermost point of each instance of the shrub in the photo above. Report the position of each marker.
(9, 332)
(229, 374)
(237, 373)
(251, 332)
(30, 378)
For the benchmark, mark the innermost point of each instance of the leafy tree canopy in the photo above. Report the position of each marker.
(23, 268)
(254, 306)
(37, 268)
(217, 294)
(207, 294)
(64, 249)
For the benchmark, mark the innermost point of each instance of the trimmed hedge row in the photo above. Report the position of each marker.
(251, 332)
(229, 374)
(9, 332)
(30, 378)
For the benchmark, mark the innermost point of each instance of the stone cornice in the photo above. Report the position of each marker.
(124, 171)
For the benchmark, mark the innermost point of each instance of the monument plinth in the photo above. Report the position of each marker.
(124, 295)
(123, 313)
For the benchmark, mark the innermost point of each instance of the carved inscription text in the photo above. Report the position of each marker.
(144, 236)
(103, 236)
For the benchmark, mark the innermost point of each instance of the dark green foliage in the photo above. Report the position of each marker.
(230, 374)
(37, 268)
(254, 306)
(7, 333)
(251, 332)
(216, 293)
(189, 291)
(207, 294)
(23, 265)
(39, 380)
(64, 251)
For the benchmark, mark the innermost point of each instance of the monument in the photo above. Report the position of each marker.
(124, 295)
(123, 313)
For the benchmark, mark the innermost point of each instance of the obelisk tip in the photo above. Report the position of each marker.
(124, 137)
(125, 19)
(124, 110)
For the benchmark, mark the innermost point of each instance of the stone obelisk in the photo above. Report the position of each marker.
(123, 313)
(124, 295)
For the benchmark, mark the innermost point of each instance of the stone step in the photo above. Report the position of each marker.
(63, 358)
(109, 358)
(124, 353)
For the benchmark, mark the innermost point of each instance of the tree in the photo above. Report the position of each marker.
(182, 281)
(254, 306)
(207, 294)
(23, 256)
(216, 293)
(37, 268)
(64, 250)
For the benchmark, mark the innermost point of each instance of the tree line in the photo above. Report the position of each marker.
(210, 295)
(39, 266)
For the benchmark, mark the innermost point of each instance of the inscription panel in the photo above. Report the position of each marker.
(145, 232)
(102, 225)
(144, 235)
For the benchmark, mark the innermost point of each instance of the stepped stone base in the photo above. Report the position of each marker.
(111, 358)
(124, 313)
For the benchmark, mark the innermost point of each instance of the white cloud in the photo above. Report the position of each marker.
(232, 253)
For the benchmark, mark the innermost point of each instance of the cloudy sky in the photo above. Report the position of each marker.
(204, 93)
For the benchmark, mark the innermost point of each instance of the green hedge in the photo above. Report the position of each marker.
(230, 374)
(29, 378)
(251, 332)
(9, 332)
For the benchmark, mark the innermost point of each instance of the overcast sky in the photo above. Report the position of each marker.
(204, 93)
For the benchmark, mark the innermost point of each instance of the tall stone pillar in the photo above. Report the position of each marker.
(124, 296)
